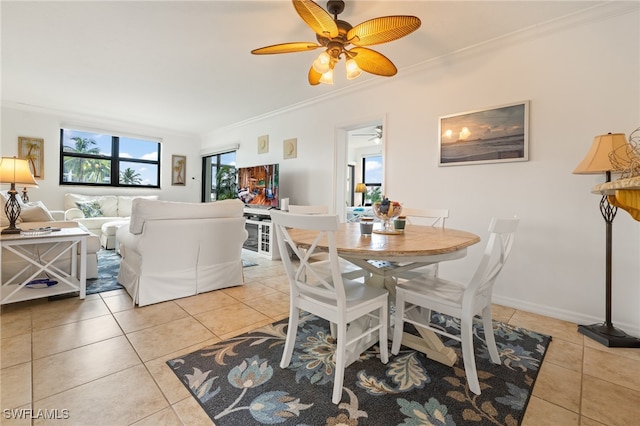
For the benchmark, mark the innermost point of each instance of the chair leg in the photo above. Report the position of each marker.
(290, 343)
(399, 322)
(341, 349)
(382, 335)
(332, 329)
(490, 338)
(468, 357)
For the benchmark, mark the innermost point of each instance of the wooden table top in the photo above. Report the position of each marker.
(415, 241)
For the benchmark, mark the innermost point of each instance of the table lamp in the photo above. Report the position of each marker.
(360, 188)
(14, 171)
(25, 194)
(608, 153)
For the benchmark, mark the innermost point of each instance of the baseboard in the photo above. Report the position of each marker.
(561, 314)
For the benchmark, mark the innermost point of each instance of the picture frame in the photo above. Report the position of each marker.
(290, 148)
(178, 170)
(492, 135)
(32, 150)
(263, 144)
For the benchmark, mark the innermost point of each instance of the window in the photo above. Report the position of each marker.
(93, 158)
(219, 177)
(372, 178)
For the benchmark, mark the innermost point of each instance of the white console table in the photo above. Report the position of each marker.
(66, 240)
(262, 235)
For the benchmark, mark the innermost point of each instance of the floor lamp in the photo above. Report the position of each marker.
(608, 154)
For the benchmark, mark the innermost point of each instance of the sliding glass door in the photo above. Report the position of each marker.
(219, 177)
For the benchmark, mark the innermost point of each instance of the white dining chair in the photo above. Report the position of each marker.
(424, 217)
(349, 270)
(334, 298)
(459, 300)
(310, 209)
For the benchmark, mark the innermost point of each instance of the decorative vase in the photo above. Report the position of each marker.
(387, 211)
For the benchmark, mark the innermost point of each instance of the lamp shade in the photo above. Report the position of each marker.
(361, 187)
(598, 159)
(353, 70)
(16, 170)
(327, 77)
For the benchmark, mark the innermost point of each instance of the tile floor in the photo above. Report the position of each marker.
(103, 360)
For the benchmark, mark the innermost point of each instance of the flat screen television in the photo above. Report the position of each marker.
(258, 186)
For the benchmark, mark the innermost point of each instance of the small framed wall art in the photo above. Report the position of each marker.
(290, 148)
(263, 144)
(492, 135)
(178, 169)
(32, 150)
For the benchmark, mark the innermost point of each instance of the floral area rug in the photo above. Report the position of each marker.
(240, 382)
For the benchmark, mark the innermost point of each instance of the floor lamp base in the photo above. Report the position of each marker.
(609, 336)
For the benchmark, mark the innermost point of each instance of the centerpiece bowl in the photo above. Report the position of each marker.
(387, 211)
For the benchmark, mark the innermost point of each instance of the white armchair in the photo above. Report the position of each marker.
(172, 250)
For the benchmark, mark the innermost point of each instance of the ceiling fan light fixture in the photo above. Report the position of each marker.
(327, 77)
(322, 64)
(353, 70)
(334, 36)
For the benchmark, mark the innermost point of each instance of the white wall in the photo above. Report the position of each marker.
(17, 123)
(582, 79)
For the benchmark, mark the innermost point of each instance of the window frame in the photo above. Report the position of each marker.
(369, 185)
(208, 178)
(114, 160)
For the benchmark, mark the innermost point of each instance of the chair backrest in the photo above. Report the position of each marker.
(305, 277)
(501, 238)
(299, 209)
(428, 217)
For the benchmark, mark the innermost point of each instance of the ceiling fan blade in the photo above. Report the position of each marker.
(382, 30)
(286, 48)
(317, 18)
(373, 62)
(314, 77)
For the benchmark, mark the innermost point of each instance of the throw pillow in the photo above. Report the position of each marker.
(90, 208)
(35, 212)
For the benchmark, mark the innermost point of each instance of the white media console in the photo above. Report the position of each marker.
(262, 235)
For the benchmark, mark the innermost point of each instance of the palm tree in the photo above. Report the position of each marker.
(178, 168)
(32, 156)
(83, 146)
(374, 194)
(226, 183)
(130, 177)
(85, 169)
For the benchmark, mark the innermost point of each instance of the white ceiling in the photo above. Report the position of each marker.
(186, 67)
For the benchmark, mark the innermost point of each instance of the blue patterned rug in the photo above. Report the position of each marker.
(108, 267)
(240, 382)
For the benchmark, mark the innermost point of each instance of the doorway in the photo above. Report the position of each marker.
(355, 141)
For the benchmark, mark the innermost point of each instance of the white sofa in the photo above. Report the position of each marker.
(101, 214)
(172, 249)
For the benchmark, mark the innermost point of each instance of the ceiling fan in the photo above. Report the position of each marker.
(376, 135)
(335, 35)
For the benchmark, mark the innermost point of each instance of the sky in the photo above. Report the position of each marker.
(487, 124)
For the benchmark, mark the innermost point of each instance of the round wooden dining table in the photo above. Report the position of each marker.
(385, 255)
